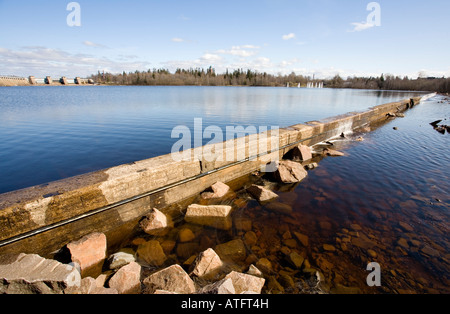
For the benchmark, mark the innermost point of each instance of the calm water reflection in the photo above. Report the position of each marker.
(49, 133)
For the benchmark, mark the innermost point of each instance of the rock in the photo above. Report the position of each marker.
(300, 153)
(219, 190)
(261, 194)
(156, 223)
(265, 265)
(405, 226)
(274, 286)
(186, 235)
(244, 282)
(89, 253)
(250, 238)
(207, 264)
(360, 139)
(186, 250)
(290, 172)
(172, 279)
(163, 292)
(340, 289)
(127, 280)
(32, 274)
(89, 286)
(312, 166)
(286, 280)
(296, 260)
(168, 246)
(279, 208)
(224, 286)
(372, 253)
(362, 243)
(329, 248)
(332, 153)
(120, 259)
(233, 250)
(254, 271)
(151, 253)
(216, 216)
(304, 240)
(356, 227)
(290, 243)
(403, 243)
(242, 224)
(430, 251)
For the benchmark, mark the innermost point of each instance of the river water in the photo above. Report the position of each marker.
(50, 133)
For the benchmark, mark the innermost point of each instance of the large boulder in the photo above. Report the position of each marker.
(172, 279)
(32, 274)
(127, 280)
(156, 223)
(290, 172)
(246, 283)
(89, 253)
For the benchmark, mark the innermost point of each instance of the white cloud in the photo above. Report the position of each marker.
(359, 27)
(289, 36)
(92, 44)
(178, 40)
(210, 58)
(42, 61)
(241, 51)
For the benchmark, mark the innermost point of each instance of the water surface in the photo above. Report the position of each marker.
(50, 133)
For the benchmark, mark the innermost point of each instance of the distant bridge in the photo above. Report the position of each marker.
(48, 80)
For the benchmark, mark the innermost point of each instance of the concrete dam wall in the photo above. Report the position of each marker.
(44, 218)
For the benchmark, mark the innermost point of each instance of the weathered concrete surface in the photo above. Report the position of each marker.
(44, 218)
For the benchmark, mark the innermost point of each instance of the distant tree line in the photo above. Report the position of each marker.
(241, 77)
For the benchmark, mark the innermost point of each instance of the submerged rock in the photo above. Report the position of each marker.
(233, 250)
(216, 216)
(151, 253)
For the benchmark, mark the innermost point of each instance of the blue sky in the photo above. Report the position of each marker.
(310, 37)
